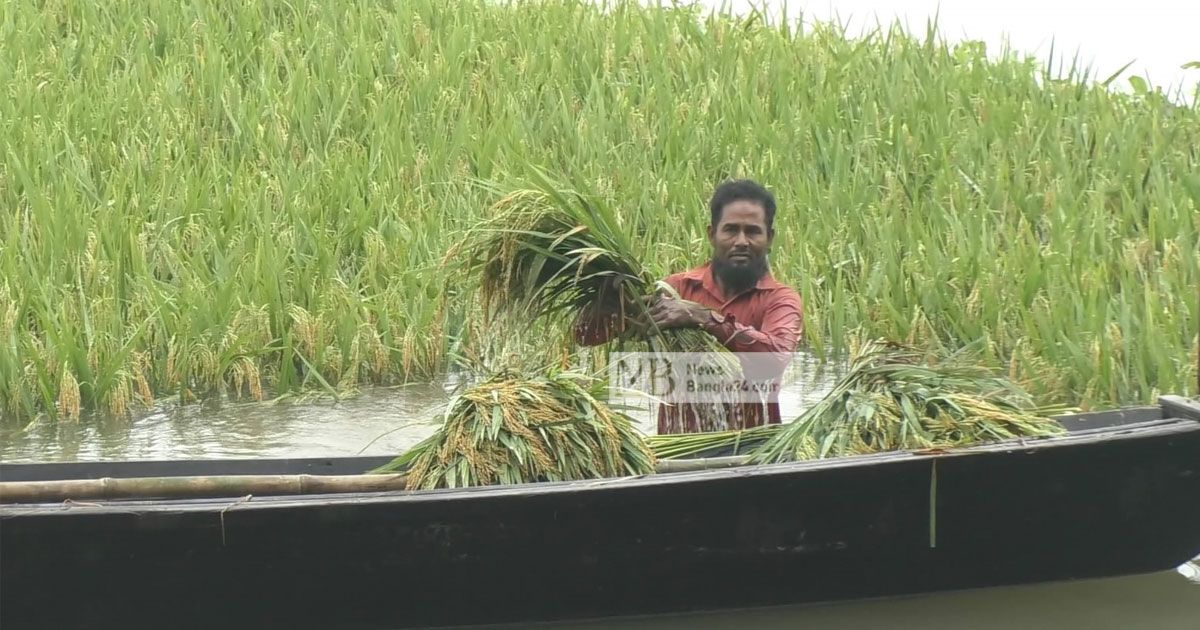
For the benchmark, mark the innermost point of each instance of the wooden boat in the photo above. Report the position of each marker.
(1119, 494)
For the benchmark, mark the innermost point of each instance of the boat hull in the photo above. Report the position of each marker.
(1099, 502)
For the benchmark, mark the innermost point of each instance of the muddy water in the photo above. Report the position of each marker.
(1160, 601)
(386, 421)
(377, 422)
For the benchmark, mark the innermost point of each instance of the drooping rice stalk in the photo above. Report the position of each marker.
(895, 398)
(514, 429)
(548, 250)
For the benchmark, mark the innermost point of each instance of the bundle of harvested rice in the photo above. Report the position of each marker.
(548, 250)
(893, 398)
(510, 429)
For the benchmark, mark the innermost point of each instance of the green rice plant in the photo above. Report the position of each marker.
(897, 398)
(167, 166)
(511, 429)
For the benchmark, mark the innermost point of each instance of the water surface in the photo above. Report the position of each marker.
(376, 422)
(1159, 601)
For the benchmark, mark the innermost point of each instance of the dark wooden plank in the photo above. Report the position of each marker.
(180, 468)
(1180, 407)
(1112, 418)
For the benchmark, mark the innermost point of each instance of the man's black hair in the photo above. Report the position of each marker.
(742, 190)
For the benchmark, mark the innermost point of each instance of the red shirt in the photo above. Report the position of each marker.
(767, 318)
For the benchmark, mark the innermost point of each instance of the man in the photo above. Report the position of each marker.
(732, 297)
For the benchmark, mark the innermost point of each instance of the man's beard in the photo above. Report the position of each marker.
(737, 278)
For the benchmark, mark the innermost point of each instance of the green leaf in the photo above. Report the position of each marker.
(1112, 77)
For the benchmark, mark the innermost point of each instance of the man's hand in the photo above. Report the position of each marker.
(668, 312)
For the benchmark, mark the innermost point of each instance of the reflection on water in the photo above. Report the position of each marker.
(1191, 571)
(377, 422)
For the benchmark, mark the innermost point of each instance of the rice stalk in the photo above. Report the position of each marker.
(688, 445)
(512, 429)
(894, 397)
(548, 250)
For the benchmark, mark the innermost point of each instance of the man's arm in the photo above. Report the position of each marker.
(783, 323)
(775, 339)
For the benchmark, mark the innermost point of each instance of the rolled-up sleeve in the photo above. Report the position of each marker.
(778, 337)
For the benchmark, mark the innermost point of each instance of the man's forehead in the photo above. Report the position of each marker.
(743, 212)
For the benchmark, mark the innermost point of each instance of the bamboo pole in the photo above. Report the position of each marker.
(192, 487)
(215, 486)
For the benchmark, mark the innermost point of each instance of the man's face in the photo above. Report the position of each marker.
(741, 242)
